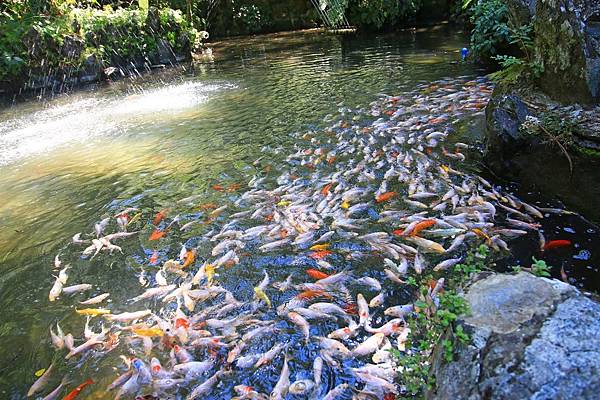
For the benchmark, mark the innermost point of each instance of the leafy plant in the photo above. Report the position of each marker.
(475, 262)
(379, 13)
(491, 32)
(538, 268)
(433, 324)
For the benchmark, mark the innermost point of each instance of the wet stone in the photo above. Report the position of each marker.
(531, 338)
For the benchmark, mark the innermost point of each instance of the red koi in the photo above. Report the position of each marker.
(320, 254)
(557, 244)
(154, 257)
(182, 322)
(159, 216)
(316, 274)
(398, 232)
(384, 197)
(75, 392)
(325, 190)
(427, 223)
(157, 234)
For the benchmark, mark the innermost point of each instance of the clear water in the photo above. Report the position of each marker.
(68, 162)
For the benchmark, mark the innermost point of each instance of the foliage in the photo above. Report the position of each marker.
(491, 32)
(475, 262)
(517, 68)
(538, 268)
(250, 18)
(379, 14)
(434, 323)
(34, 33)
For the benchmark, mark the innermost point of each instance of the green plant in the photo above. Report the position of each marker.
(538, 268)
(432, 325)
(380, 13)
(475, 262)
(491, 32)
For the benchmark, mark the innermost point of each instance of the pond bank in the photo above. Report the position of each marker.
(531, 338)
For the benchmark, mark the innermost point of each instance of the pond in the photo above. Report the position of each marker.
(175, 147)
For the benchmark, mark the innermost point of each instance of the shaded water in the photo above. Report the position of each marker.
(66, 163)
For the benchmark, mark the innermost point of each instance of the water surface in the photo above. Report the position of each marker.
(67, 162)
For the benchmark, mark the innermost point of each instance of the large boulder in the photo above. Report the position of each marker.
(567, 44)
(504, 139)
(532, 338)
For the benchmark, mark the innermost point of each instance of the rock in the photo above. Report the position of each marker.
(165, 52)
(504, 116)
(72, 47)
(532, 338)
(92, 69)
(567, 44)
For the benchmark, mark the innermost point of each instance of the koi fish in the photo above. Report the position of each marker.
(326, 188)
(316, 274)
(557, 244)
(190, 257)
(75, 392)
(320, 247)
(153, 258)
(261, 295)
(428, 223)
(148, 332)
(159, 216)
(157, 234)
(385, 197)
(93, 311)
(320, 254)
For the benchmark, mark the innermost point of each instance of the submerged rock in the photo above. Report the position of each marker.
(532, 338)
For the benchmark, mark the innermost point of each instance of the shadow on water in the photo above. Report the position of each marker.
(66, 163)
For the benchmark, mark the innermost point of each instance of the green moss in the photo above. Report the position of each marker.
(586, 152)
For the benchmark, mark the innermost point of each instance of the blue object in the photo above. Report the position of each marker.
(464, 52)
(137, 364)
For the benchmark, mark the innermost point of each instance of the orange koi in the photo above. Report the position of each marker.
(190, 257)
(351, 308)
(159, 216)
(218, 187)
(312, 294)
(320, 254)
(154, 257)
(325, 190)
(75, 392)
(331, 160)
(207, 206)
(157, 234)
(316, 274)
(428, 223)
(384, 197)
(179, 322)
(233, 187)
(482, 234)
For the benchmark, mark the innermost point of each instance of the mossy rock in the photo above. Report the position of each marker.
(563, 46)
